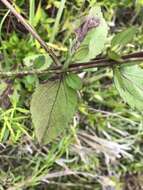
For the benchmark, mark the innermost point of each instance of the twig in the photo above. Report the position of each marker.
(62, 184)
(74, 67)
(100, 62)
(50, 176)
(32, 31)
(68, 173)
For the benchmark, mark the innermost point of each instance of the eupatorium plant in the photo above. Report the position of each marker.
(54, 103)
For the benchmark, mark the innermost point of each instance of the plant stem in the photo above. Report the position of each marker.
(78, 67)
(1, 23)
(58, 18)
(1, 40)
(32, 31)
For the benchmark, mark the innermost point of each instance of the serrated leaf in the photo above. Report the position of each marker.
(52, 107)
(124, 37)
(129, 82)
(95, 38)
(73, 81)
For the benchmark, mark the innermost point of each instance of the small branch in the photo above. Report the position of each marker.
(77, 67)
(133, 55)
(32, 31)
(24, 73)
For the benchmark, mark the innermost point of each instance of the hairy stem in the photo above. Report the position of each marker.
(32, 31)
(78, 67)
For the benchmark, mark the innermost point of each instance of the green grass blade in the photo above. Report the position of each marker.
(56, 25)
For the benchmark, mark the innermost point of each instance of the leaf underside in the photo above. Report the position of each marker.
(94, 42)
(52, 107)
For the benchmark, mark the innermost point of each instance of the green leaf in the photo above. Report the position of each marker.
(52, 107)
(38, 15)
(39, 61)
(138, 5)
(94, 41)
(73, 81)
(114, 56)
(129, 82)
(81, 52)
(124, 37)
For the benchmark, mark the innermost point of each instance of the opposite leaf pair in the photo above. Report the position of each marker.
(54, 104)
